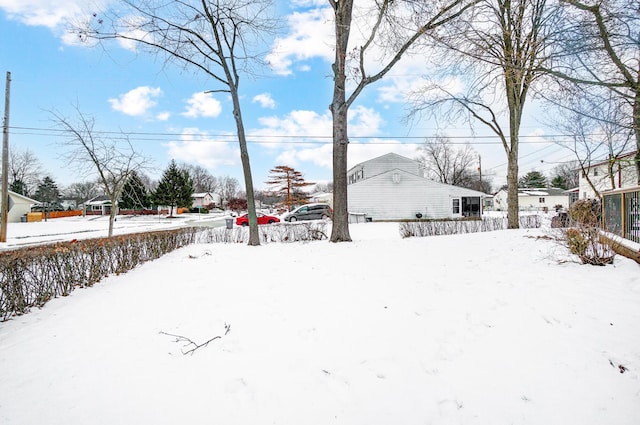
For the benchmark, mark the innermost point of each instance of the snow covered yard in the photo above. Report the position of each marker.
(468, 329)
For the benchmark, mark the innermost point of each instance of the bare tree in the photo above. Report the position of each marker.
(446, 164)
(203, 180)
(24, 171)
(81, 192)
(567, 174)
(214, 37)
(228, 188)
(397, 25)
(602, 50)
(113, 160)
(591, 124)
(501, 51)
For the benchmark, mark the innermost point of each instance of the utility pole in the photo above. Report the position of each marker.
(480, 168)
(4, 201)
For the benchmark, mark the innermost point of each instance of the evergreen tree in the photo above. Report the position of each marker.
(533, 179)
(560, 182)
(174, 189)
(18, 186)
(47, 191)
(287, 183)
(134, 195)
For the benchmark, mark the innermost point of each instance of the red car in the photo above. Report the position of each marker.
(243, 220)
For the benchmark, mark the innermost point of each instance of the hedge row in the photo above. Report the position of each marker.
(278, 232)
(423, 228)
(29, 277)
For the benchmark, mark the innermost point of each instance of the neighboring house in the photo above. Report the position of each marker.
(382, 164)
(534, 199)
(19, 206)
(392, 187)
(322, 197)
(99, 205)
(205, 199)
(624, 176)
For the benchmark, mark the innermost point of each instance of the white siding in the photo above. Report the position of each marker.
(624, 177)
(382, 164)
(398, 194)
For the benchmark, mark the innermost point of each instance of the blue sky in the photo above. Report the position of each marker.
(169, 115)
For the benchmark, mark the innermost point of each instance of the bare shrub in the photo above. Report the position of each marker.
(279, 232)
(422, 228)
(584, 237)
(29, 277)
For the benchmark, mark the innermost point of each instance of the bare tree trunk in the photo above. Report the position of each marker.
(636, 130)
(254, 237)
(339, 111)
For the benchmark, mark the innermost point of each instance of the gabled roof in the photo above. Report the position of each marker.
(463, 191)
(98, 200)
(541, 191)
(390, 154)
(605, 161)
(22, 197)
(201, 194)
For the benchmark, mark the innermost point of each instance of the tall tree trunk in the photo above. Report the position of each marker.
(254, 237)
(339, 110)
(636, 130)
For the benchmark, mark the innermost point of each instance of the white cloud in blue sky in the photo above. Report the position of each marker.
(136, 102)
(265, 100)
(202, 104)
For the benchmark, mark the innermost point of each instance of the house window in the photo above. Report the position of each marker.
(595, 172)
(456, 206)
(541, 200)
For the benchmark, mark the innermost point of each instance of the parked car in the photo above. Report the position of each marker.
(243, 220)
(310, 212)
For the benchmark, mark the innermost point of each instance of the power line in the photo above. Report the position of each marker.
(263, 139)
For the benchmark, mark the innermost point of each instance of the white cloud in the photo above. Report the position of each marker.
(316, 130)
(265, 100)
(136, 102)
(311, 35)
(196, 147)
(48, 13)
(203, 104)
(163, 116)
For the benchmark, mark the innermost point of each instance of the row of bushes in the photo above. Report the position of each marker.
(29, 277)
(279, 232)
(422, 228)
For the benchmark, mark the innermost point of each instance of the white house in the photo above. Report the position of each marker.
(624, 176)
(19, 205)
(204, 199)
(534, 199)
(392, 187)
(99, 205)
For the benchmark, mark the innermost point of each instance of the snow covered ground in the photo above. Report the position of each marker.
(484, 329)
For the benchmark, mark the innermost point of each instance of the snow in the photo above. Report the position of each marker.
(492, 328)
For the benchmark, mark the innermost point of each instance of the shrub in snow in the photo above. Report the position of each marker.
(278, 232)
(584, 237)
(421, 228)
(31, 276)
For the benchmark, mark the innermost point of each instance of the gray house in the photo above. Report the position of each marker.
(392, 187)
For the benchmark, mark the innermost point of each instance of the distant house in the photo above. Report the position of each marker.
(204, 199)
(322, 197)
(534, 199)
(392, 187)
(624, 176)
(19, 206)
(99, 205)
